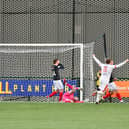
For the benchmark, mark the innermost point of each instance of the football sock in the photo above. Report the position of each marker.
(60, 96)
(106, 96)
(118, 96)
(52, 94)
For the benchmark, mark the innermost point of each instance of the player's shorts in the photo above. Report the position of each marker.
(58, 85)
(112, 86)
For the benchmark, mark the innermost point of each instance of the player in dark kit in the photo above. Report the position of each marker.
(56, 67)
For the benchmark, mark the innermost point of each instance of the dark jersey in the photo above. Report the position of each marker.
(111, 78)
(56, 73)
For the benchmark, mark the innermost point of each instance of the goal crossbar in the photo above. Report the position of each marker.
(41, 44)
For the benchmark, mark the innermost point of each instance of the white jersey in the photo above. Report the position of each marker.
(106, 71)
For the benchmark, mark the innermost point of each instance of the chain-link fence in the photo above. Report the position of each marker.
(67, 21)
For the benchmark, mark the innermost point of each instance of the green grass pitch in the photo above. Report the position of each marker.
(63, 116)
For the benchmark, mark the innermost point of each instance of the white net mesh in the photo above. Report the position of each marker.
(19, 63)
(36, 61)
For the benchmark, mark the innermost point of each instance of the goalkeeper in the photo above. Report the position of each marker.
(58, 85)
(69, 97)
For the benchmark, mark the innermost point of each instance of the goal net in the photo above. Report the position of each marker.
(25, 70)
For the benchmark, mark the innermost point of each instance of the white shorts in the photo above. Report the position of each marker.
(112, 86)
(58, 85)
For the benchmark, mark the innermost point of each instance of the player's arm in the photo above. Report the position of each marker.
(71, 87)
(60, 66)
(54, 67)
(97, 60)
(121, 64)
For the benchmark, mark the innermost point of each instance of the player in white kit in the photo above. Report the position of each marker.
(106, 70)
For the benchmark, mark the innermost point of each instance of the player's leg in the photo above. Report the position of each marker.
(52, 94)
(55, 83)
(100, 94)
(95, 91)
(114, 89)
(108, 93)
(119, 96)
(60, 94)
(61, 89)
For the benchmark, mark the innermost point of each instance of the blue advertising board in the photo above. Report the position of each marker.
(29, 87)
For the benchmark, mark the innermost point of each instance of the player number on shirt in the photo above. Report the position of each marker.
(105, 69)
